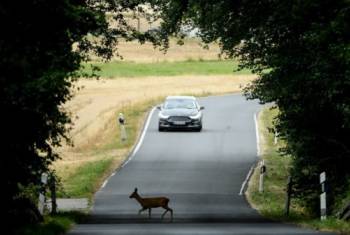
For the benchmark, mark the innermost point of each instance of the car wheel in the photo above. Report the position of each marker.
(160, 129)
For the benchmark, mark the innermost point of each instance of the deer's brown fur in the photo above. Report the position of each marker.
(152, 202)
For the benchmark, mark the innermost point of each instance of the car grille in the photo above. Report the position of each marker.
(179, 119)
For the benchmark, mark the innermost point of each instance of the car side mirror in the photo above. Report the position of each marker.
(201, 108)
(158, 107)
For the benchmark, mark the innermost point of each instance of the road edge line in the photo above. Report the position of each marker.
(139, 143)
(251, 170)
(135, 149)
(257, 134)
(246, 180)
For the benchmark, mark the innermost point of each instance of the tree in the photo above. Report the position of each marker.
(301, 51)
(42, 46)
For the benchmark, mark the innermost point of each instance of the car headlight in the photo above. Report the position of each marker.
(196, 116)
(162, 116)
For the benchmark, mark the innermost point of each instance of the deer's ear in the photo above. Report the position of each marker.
(135, 190)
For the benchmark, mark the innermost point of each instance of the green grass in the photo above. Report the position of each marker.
(84, 181)
(189, 67)
(330, 224)
(271, 202)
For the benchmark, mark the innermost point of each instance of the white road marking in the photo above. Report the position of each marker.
(257, 134)
(258, 153)
(141, 138)
(104, 183)
(137, 146)
(246, 180)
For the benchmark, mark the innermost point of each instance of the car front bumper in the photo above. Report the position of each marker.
(183, 124)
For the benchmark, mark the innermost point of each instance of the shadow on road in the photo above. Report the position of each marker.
(181, 218)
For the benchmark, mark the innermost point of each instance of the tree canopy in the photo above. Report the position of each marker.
(42, 46)
(301, 51)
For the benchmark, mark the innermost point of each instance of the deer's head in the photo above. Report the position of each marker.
(133, 195)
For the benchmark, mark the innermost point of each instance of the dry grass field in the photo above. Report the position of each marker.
(191, 49)
(100, 99)
(146, 53)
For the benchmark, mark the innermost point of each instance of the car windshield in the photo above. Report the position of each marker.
(179, 104)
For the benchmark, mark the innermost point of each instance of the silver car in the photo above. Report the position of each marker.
(180, 112)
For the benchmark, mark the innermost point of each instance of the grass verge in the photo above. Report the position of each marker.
(189, 67)
(85, 180)
(271, 202)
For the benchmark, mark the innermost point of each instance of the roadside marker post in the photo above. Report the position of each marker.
(121, 121)
(276, 137)
(41, 203)
(262, 173)
(323, 196)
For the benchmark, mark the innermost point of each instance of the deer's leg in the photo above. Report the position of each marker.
(171, 212)
(149, 212)
(142, 209)
(164, 213)
(166, 210)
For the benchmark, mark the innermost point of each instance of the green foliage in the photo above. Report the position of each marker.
(53, 225)
(342, 201)
(42, 46)
(271, 202)
(191, 67)
(301, 50)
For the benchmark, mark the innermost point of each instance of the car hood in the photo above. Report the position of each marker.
(179, 112)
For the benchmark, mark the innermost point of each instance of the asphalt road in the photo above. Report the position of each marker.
(202, 174)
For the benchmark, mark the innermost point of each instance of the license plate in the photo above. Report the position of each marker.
(179, 123)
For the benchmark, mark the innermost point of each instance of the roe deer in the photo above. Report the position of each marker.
(152, 202)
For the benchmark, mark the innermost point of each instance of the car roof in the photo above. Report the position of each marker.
(181, 97)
